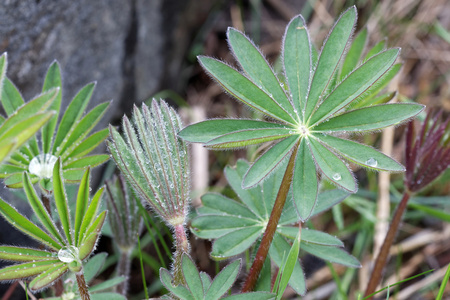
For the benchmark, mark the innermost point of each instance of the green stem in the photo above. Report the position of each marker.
(266, 240)
(388, 241)
(82, 286)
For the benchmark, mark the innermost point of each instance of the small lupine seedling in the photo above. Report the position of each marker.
(427, 157)
(156, 164)
(125, 223)
(236, 226)
(199, 285)
(67, 243)
(23, 121)
(69, 140)
(304, 117)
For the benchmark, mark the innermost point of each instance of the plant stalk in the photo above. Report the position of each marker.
(123, 269)
(383, 256)
(82, 286)
(182, 247)
(267, 238)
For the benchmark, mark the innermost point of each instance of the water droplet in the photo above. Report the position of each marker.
(42, 165)
(372, 162)
(68, 254)
(337, 176)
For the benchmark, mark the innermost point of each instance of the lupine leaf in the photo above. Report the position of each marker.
(61, 201)
(267, 162)
(107, 284)
(3, 67)
(256, 68)
(94, 266)
(279, 249)
(248, 137)
(332, 254)
(213, 226)
(366, 99)
(89, 144)
(305, 187)
(5, 149)
(381, 116)
(288, 266)
(86, 161)
(297, 61)
(73, 113)
(243, 89)
(355, 84)
(179, 291)
(354, 53)
(235, 242)
(380, 46)
(26, 269)
(311, 236)
(48, 277)
(361, 154)
(223, 281)
(82, 204)
(222, 204)
(250, 197)
(37, 105)
(192, 277)
(332, 53)
(13, 253)
(39, 209)
(206, 281)
(10, 97)
(332, 167)
(90, 239)
(205, 131)
(83, 127)
(23, 224)
(73, 175)
(52, 80)
(20, 132)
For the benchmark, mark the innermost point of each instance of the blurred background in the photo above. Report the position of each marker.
(140, 49)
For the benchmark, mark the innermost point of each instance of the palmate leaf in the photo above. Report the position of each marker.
(236, 226)
(68, 142)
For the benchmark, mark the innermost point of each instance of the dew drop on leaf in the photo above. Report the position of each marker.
(372, 162)
(337, 176)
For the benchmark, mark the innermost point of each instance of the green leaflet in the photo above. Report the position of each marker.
(332, 53)
(86, 161)
(288, 266)
(269, 161)
(297, 61)
(12, 253)
(235, 242)
(73, 114)
(10, 97)
(355, 84)
(333, 167)
(61, 201)
(179, 291)
(192, 278)
(48, 277)
(213, 226)
(82, 203)
(361, 154)
(52, 80)
(305, 182)
(381, 116)
(248, 137)
(27, 269)
(245, 90)
(257, 69)
(354, 53)
(311, 236)
(89, 144)
(279, 250)
(221, 204)
(332, 254)
(223, 281)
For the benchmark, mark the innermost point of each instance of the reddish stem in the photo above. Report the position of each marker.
(182, 246)
(266, 240)
(82, 286)
(383, 256)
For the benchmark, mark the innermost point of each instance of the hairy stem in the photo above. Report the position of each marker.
(123, 269)
(266, 240)
(82, 286)
(388, 241)
(182, 246)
